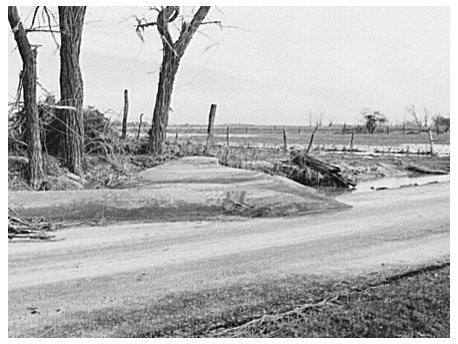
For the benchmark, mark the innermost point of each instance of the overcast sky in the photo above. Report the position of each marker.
(271, 65)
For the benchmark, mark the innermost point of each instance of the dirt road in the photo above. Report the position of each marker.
(52, 284)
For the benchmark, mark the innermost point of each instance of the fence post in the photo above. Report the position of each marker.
(351, 140)
(431, 142)
(139, 126)
(211, 122)
(227, 135)
(311, 139)
(285, 143)
(344, 128)
(124, 118)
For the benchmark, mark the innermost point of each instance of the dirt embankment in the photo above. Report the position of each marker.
(190, 188)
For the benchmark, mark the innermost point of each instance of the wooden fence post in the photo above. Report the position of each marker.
(344, 128)
(431, 142)
(124, 117)
(351, 140)
(139, 127)
(211, 122)
(311, 139)
(285, 143)
(227, 136)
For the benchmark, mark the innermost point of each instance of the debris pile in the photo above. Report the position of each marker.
(20, 228)
(300, 167)
(309, 170)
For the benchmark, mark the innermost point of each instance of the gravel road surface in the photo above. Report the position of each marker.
(129, 265)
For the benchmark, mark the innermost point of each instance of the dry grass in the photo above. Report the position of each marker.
(406, 303)
(414, 305)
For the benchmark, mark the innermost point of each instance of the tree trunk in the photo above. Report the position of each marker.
(172, 54)
(71, 20)
(29, 85)
(169, 69)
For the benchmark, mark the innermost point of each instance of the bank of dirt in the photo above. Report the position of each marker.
(192, 188)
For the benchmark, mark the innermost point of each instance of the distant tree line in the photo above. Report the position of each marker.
(372, 119)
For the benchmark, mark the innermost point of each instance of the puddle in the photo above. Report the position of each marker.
(388, 183)
(398, 182)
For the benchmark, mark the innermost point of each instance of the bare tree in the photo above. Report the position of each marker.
(411, 110)
(171, 56)
(440, 121)
(437, 120)
(427, 113)
(372, 118)
(29, 86)
(71, 20)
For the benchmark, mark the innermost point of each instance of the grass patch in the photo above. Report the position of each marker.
(415, 305)
(394, 303)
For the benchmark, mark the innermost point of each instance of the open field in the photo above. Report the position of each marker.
(245, 135)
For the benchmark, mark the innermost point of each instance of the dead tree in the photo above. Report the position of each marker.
(71, 20)
(29, 86)
(172, 53)
(426, 117)
(411, 110)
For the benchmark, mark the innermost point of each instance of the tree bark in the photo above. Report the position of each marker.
(29, 86)
(71, 20)
(167, 74)
(172, 54)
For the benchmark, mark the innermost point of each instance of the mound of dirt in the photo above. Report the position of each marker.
(192, 188)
